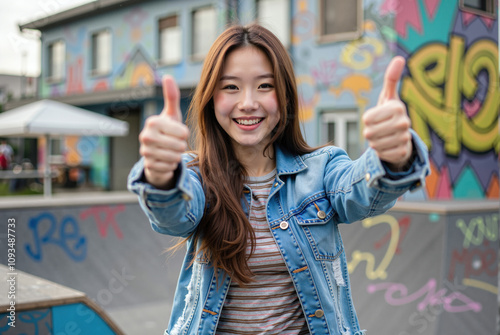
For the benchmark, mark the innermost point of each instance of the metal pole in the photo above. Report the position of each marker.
(47, 179)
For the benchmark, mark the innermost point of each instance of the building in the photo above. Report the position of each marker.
(109, 56)
(13, 87)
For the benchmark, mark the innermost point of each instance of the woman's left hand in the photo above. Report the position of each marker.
(387, 125)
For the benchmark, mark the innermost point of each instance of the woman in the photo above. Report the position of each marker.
(258, 207)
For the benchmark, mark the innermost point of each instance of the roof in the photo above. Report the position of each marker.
(86, 10)
(56, 118)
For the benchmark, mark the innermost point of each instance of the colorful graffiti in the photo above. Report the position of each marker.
(390, 259)
(451, 90)
(396, 294)
(65, 234)
(77, 318)
(345, 74)
(136, 71)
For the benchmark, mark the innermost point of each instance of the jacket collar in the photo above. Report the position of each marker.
(286, 163)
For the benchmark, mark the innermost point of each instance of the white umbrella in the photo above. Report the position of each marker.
(52, 118)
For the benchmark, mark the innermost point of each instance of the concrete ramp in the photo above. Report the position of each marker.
(38, 306)
(100, 244)
(422, 268)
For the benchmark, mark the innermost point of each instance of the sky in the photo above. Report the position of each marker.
(20, 52)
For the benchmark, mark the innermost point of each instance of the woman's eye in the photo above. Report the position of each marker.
(266, 85)
(230, 87)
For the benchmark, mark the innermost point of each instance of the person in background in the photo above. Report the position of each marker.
(259, 208)
(6, 153)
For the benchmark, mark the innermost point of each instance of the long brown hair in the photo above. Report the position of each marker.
(224, 230)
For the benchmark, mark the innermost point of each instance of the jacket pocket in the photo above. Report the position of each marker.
(316, 220)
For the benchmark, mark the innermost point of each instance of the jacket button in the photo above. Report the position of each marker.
(367, 176)
(321, 215)
(284, 225)
(319, 313)
(186, 197)
(275, 184)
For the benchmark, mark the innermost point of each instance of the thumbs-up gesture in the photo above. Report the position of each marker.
(164, 139)
(386, 126)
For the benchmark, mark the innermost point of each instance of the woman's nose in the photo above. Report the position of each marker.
(248, 101)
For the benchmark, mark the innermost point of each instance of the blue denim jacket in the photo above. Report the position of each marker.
(312, 194)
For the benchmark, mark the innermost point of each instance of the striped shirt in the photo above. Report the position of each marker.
(269, 304)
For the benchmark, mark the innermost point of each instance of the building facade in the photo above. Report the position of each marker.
(109, 57)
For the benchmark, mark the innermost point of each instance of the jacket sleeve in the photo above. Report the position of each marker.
(365, 187)
(177, 211)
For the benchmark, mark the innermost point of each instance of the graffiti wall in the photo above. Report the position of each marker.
(450, 84)
(106, 250)
(133, 65)
(452, 93)
(425, 273)
(412, 272)
(340, 75)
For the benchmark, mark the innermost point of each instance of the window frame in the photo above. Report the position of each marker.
(288, 38)
(339, 116)
(51, 78)
(198, 57)
(94, 71)
(490, 11)
(344, 36)
(160, 60)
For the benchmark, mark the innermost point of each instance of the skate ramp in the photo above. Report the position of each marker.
(38, 306)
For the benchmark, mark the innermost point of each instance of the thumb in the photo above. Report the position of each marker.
(171, 97)
(391, 80)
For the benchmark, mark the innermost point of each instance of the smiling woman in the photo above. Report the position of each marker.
(246, 106)
(259, 209)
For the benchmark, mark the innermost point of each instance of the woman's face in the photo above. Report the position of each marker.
(245, 100)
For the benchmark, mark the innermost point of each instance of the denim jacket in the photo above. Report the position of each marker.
(311, 195)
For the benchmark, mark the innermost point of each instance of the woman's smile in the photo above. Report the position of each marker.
(245, 101)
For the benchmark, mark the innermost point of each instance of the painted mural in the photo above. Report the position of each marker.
(344, 73)
(425, 273)
(450, 84)
(452, 93)
(63, 319)
(132, 66)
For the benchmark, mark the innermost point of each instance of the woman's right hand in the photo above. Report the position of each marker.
(164, 139)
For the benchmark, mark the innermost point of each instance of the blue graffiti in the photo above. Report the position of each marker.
(68, 237)
(33, 322)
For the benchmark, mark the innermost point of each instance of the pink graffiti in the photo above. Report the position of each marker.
(75, 77)
(471, 108)
(407, 15)
(467, 19)
(325, 73)
(431, 6)
(105, 217)
(396, 294)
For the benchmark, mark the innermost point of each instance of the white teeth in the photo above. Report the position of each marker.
(248, 122)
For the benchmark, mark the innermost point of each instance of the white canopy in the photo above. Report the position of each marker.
(51, 118)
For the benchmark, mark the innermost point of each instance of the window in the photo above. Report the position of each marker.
(57, 54)
(170, 34)
(204, 31)
(340, 20)
(481, 7)
(3, 95)
(342, 128)
(101, 52)
(279, 24)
